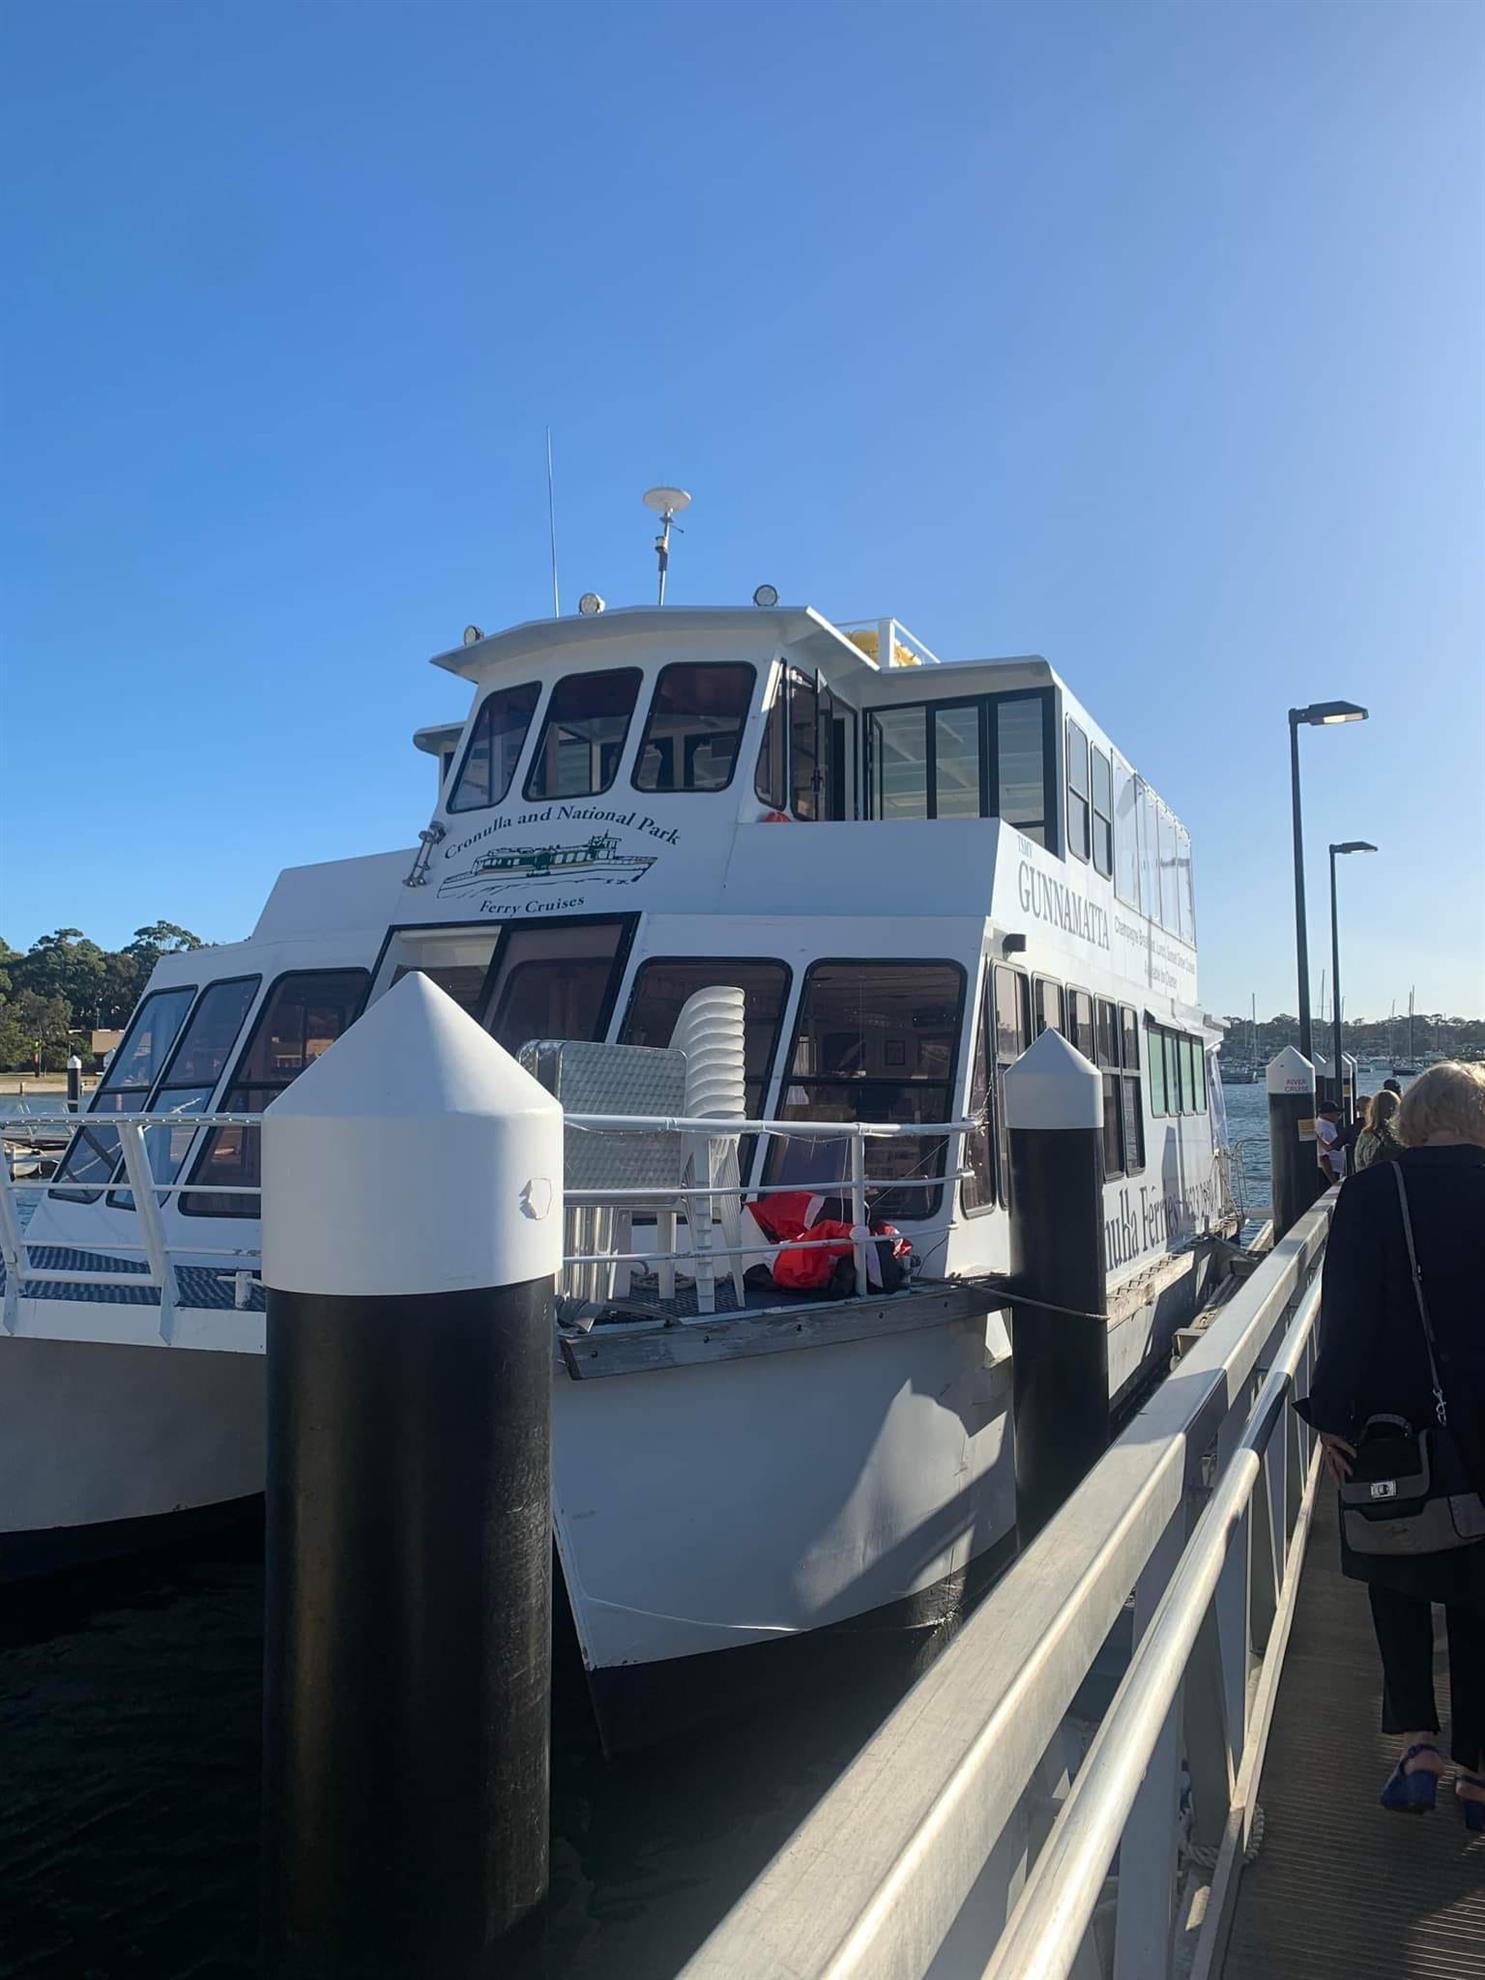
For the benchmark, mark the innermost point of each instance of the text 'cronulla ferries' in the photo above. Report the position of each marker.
(1053, 901)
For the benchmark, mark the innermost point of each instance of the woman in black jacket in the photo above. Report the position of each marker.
(1373, 1361)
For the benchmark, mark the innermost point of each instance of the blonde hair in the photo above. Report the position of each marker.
(1447, 1099)
(1381, 1110)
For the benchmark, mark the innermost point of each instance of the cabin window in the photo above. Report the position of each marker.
(1149, 853)
(495, 747)
(1079, 831)
(557, 980)
(771, 777)
(661, 987)
(1158, 1102)
(124, 1089)
(898, 740)
(1131, 1102)
(1012, 1036)
(957, 780)
(804, 747)
(191, 1076)
(1166, 827)
(1109, 1042)
(694, 727)
(1126, 835)
(582, 736)
(1103, 815)
(1185, 899)
(1081, 1026)
(1021, 744)
(1047, 1009)
(302, 1016)
(456, 959)
(977, 1192)
(873, 1041)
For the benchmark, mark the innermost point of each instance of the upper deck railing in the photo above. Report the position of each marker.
(975, 1832)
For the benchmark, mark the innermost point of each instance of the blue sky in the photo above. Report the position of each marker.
(1150, 338)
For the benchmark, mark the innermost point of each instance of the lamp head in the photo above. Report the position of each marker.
(1324, 714)
(1354, 846)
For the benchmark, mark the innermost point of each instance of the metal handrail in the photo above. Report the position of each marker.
(1045, 1932)
(946, 1793)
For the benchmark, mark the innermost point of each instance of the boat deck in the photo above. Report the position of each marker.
(1341, 1889)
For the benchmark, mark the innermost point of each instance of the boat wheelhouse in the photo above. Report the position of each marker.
(910, 870)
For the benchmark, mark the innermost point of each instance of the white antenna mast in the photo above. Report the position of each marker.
(552, 529)
(667, 503)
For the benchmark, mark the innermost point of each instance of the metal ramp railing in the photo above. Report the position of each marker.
(993, 1828)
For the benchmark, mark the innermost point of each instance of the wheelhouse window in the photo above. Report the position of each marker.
(191, 1075)
(984, 758)
(557, 980)
(125, 1087)
(495, 746)
(873, 1041)
(302, 1016)
(958, 771)
(1103, 815)
(771, 776)
(1079, 816)
(582, 734)
(694, 727)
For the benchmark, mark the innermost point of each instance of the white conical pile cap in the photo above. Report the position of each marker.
(1052, 1085)
(1289, 1071)
(415, 1156)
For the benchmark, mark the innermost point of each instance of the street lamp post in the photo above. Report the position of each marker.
(1350, 846)
(1320, 715)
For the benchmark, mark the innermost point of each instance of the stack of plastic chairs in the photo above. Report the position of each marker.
(710, 1032)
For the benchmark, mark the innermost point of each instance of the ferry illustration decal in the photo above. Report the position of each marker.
(595, 859)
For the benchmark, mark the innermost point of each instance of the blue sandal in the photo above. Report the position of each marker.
(1474, 1811)
(1416, 1793)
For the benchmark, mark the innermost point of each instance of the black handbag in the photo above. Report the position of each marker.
(1410, 1490)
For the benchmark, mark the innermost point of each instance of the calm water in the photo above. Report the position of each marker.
(129, 1701)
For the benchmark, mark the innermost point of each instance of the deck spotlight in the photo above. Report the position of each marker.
(590, 604)
(472, 635)
(765, 595)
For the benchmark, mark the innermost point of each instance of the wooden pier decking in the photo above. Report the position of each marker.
(1342, 1889)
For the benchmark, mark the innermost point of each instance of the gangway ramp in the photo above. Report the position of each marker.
(1341, 1889)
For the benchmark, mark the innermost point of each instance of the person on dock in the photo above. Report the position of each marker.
(1329, 1152)
(1374, 1361)
(1377, 1140)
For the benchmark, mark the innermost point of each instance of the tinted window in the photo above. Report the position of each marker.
(1079, 826)
(874, 1041)
(694, 727)
(555, 981)
(192, 1074)
(1132, 1121)
(1080, 1019)
(1103, 815)
(1158, 1103)
(1012, 1036)
(456, 959)
(125, 1087)
(495, 747)
(302, 1016)
(978, 1189)
(582, 735)
(1129, 1039)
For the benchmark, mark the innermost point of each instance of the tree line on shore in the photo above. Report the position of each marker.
(1364, 1038)
(65, 987)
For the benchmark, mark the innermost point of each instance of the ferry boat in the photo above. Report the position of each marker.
(911, 869)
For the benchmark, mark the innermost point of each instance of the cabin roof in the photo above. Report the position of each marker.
(790, 625)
